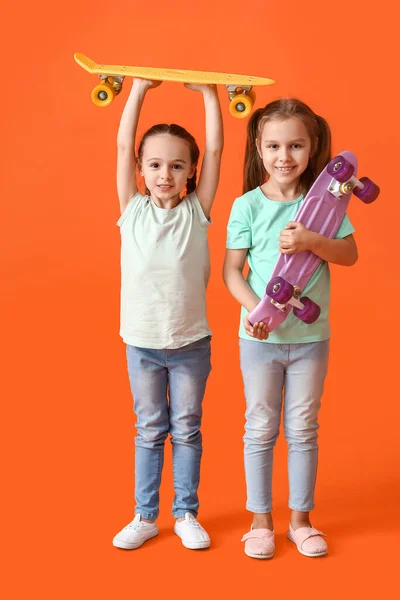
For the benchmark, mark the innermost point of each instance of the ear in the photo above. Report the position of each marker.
(191, 172)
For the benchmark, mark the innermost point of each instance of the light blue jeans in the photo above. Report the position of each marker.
(168, 388)
(269, 369)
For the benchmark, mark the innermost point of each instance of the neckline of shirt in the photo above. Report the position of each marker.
(165, 210)
(301, 197)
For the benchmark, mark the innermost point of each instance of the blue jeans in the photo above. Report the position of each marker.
(168, 388)
(268, 369)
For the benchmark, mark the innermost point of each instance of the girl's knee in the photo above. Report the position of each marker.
(151, 437)
(306, 435)
(185, 431)
(261, 435)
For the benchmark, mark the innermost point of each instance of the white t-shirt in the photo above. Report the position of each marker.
(165, 267)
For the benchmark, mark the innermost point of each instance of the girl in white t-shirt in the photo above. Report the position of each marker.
(165, 270)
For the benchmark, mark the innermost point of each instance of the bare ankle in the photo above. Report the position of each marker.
(300, 519)
(263, 521)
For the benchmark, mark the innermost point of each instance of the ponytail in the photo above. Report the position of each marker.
(320, 155)
(191, 183)
(254, 170)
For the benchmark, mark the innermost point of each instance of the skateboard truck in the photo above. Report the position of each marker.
(294, 301)
(338, 189)
(241, 98)
(281, 293)
(344, 182)
(114, 81)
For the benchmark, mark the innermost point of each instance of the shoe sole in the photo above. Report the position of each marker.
(314, 555)
(260, 556)
(127, 546)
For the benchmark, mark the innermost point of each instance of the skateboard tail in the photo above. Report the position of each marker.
(85, 62)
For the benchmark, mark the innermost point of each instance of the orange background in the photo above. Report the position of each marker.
(67, 416)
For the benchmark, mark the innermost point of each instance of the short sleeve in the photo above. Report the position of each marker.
(239, 229)
(194, 201)
(129, 208)
(345, 229)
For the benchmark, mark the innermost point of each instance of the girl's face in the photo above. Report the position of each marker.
(166, 166)
(285, 148)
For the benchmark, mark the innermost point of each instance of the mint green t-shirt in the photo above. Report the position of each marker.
(255, 223)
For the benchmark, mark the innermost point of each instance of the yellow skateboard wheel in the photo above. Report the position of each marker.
(103, 94)
(241, 105)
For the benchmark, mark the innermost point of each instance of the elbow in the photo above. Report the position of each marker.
(124, 146)
(220, 145)
(351, 259)
(353, 262)
(216, 151)
(354, 257)
(350, 253)
(226, 275)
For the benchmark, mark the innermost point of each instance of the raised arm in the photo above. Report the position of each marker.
(210, 168)
(126, 161)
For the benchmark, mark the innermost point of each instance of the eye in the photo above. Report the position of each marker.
(154, 165)
(272, 146)
(177, 167)
(296, 146)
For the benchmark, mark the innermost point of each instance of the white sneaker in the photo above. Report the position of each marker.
(135, 534)
(192, 534)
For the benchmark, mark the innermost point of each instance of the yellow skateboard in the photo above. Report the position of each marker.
(239, 87)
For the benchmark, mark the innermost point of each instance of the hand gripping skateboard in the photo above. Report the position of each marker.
(239, 87)
(322, 211)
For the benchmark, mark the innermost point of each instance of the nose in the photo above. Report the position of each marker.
(165, 173)
(284, 154)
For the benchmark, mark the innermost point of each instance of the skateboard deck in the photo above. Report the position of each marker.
(322, 211)
(238, 86)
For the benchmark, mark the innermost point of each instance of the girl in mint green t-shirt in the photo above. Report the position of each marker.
(288, 145)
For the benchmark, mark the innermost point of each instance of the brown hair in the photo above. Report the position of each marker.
(179, 132)
(285, 108)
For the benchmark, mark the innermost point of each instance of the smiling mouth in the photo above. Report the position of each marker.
(284, 169)
(164, 187)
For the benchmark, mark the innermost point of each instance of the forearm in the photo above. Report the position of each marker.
(130, 117)
(214, 126)
(338, 251)
(239, 288)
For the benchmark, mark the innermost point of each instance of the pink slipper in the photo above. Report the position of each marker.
(308, 541)
(259, 543)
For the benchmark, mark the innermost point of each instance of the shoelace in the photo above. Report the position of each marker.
(134, 525)
(193, 523)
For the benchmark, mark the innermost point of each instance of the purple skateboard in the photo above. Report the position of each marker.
(322, 211)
